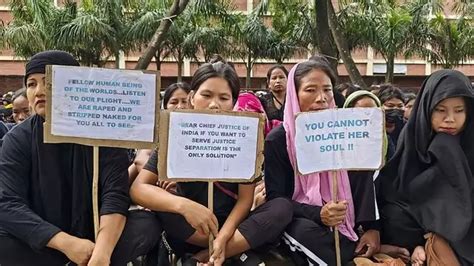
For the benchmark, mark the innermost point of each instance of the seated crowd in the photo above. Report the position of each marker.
(418, 209)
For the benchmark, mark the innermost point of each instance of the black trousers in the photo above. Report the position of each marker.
(263, 226)
(141, 234)
(312, 243)
(400, 229)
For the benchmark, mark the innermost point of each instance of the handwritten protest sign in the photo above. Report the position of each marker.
(339, 139)
(104, 107)
(101, 107)
(210, 146)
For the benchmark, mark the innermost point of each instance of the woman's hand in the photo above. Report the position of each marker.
(260, 195)
(80, 250)
(99, 260)
(369, 244)
(218, 252)
(199, 217)
(418, 258)
(77, 250)
(169, 186)
(333, 214)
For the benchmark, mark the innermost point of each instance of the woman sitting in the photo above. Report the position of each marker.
(428, 185)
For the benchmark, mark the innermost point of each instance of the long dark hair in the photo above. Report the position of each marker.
(217, 70)
(172, 88)
(270, 70)
(304, 68)
(19, 93)
(388, 91)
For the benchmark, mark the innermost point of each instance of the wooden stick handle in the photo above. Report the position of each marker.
(95, 189)
(210, 205)
(336, 231)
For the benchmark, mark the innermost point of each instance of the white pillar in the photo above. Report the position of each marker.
(370, 61)
(249, 6)
(187, 67)
(121, 59)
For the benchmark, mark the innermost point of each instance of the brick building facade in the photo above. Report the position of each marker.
(409, 72)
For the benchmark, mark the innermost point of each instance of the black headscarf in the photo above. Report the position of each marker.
(38, 63)
(46, 188)
(430, 175)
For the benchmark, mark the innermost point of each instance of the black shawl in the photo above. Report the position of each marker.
(430, 175)
(46, 188)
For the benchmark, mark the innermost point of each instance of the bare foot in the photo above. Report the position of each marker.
(396, 252)
(418, 257)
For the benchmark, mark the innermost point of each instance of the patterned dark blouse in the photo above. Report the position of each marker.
(273, 113)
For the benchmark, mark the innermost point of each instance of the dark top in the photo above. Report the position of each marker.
(431, 174)
(47, 188)
(273, 113)
(280, 182)
(6, 113)
(224, 193)
(3, 131)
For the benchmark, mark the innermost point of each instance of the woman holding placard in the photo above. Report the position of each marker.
(366, 99)
(427, 187)
(176, 97)
(310, 88)
(185, 217)
(46, 193)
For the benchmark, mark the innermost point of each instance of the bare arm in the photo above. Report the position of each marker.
(78, 250)
(146, 193)
(111, 227)
(239, 212)
(132, 173)
(236, 216)
(141, 158)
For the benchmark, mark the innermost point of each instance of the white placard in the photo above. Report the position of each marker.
(209, 146)
(336, 139)
(107, 104)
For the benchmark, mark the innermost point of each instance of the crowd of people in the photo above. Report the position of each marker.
(417, 210)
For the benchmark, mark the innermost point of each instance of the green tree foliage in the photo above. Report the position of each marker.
(146, 19)
(34, 26)
(291, 29)
(250, 41)
(451, 42)
(92, 32)
(95, 32)
(391, 28)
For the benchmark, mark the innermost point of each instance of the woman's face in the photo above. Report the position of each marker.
(35, 91)
(449, 116)
(408, 108)
(393, 103)
(214, 93)
(178, 100)
(315, 91)
(277, 82)
(365, 102)
(21, 109)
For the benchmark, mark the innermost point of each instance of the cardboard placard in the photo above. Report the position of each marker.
(210, 145)
(335, 139)
(102, 107)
